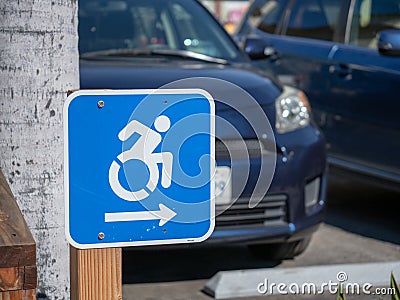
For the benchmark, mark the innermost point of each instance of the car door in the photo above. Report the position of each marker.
(300, 35)
(264, 18)
(365, 87)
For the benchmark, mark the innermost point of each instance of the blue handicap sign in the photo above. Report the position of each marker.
(139, 167)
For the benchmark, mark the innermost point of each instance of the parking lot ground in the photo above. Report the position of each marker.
(176, 291)
(362, 226)
(333, 245)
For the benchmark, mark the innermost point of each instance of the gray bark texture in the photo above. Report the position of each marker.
(38, 65)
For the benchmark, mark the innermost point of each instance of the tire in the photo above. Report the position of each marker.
(280, 251)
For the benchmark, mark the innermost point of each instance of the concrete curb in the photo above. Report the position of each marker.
(246, 283)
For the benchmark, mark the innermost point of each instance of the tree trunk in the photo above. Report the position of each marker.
(38, 64)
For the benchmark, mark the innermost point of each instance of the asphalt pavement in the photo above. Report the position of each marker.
(362, 226)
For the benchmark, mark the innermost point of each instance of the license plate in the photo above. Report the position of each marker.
(223, 185)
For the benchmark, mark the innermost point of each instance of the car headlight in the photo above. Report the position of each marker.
(293, 110)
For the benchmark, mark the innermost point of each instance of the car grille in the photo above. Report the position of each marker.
(271, 211)
(253, 147)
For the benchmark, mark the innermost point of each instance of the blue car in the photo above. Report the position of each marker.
(345, 55)
(142, 44)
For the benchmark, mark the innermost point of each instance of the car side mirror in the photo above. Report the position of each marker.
(389, 42)
(257, 48)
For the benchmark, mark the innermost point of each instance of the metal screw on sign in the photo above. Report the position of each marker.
(100, 104)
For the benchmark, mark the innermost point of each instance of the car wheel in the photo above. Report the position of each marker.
(280, 250)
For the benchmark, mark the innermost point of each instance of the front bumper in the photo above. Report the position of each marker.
(281, 215)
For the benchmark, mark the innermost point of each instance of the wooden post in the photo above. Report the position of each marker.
(96, 274)
(18, 272)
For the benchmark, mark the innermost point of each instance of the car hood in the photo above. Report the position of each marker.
(140, 74)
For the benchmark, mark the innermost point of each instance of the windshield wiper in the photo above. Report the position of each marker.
(163, 52)
(190, 54)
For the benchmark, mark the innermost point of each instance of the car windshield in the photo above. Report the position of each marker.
(156, 27)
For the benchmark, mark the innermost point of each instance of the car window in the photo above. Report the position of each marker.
(267, 14)
(315, 19)
(370, 17)
(157, 24)
(201, 39)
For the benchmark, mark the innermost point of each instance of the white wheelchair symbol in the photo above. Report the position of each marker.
(143, 150)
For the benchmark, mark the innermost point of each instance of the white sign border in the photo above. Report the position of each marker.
(107, 92)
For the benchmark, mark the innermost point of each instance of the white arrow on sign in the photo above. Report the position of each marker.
(165, 214)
